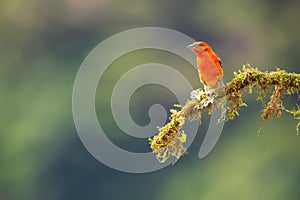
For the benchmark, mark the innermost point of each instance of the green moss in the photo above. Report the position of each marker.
(274, 84)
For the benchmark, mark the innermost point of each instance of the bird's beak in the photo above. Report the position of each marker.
(190, 46)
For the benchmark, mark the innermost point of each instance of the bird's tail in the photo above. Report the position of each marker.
(219, 86)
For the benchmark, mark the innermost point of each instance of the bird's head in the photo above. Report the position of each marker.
(198, 46)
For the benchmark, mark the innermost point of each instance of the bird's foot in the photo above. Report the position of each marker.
(209, 91)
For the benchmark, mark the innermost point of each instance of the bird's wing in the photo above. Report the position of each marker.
(220, 62)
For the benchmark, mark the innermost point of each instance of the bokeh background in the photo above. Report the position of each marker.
(42, 46)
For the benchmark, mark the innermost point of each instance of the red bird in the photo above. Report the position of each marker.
(209, 65)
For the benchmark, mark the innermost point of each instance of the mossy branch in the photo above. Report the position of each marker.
(274, 84)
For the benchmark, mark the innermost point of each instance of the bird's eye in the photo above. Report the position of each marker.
(199, 45)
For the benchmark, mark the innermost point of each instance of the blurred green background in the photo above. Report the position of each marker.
(42, 46)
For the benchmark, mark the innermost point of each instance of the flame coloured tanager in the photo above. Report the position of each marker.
(209, 65)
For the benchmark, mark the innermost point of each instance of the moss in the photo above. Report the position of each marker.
(274, 84)
(168, 142)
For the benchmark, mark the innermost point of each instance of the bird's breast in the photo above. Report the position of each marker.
(208, 69)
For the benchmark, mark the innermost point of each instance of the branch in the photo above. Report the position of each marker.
(168, 141)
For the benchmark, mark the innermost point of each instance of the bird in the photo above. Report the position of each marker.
(210, 69)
